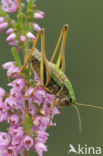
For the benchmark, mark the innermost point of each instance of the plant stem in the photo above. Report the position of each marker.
(26, 153)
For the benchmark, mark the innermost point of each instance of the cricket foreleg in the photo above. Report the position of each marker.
(52, 105)
(51, 110)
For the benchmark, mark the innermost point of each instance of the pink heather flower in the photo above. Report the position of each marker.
(9, 31)
(39, 15)
(2, 149)
(17, 133)
(10, 103)
(39, 95)
(9, 5)
(28, 142)
(3, 112)
(3, 25)
(13, 120)
(13, 93)
(30, 35)
(13, 43)
(8, 65)
(11, 37)
(18, 49)
(36, 27)
(2, 19)
(29, 91)
(39, 148)
(42, 136)
(2, 92)
(22, 38)
(40, 123)
(17, 144)
(10, 151)
(31, 109)
(13, 70)
(5, 139)
(55, 111)
(18, 83)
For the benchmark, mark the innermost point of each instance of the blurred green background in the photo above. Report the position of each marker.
(84, 67)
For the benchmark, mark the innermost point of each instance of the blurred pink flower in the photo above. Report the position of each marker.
(11, 37)
(28, 142)
(30, 35)
(39, 15)
(9, 5)
(5, 139)
(2, 19)
(40, 147)
(36, 27)
(3, 25)
(9, 31)
(22, 38)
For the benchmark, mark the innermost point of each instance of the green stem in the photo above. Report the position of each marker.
(26, 153)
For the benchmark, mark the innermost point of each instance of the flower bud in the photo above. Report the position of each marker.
(11, 37)
(1, 19)
(22, 38)
(3, 25)
(39, 15)
(30, 35)
(9, 31)
(36, 27)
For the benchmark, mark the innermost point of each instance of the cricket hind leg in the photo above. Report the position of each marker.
(44, 70)
(61, 58)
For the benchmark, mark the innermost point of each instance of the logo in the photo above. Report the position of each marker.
(84, 150)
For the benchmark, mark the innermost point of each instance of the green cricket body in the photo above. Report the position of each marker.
(67, 82)
(58, 80)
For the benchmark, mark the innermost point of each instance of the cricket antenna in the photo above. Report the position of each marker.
(87, 105)
(79, 118)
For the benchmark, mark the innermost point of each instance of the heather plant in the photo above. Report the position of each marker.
(24, 108)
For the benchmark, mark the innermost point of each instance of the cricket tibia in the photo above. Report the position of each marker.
(79, 118)
(87, 105)
(44, 70)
